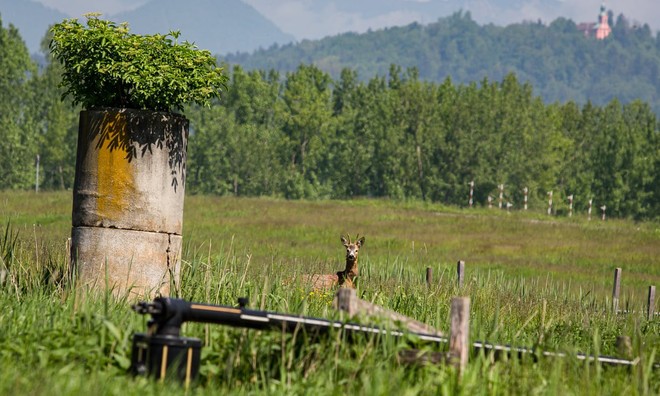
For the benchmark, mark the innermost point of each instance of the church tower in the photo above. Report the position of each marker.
(602, 28)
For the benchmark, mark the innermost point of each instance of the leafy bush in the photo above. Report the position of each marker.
(106, 66)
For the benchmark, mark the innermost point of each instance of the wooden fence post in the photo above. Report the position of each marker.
(616, 290)
(471, 192)
(651, 303)
(501, 188)
(542, 324)
(525, 191)
(429, 276)
(570, 205)
(624, 346)
(36, 181)
(67, 248)
(589, 210)
(460, 272)
(460, 329)
(549, 203)
(347, 301)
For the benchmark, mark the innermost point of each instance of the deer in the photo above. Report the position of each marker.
(345, 278)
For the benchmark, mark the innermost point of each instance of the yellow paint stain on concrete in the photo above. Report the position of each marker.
(115, 174)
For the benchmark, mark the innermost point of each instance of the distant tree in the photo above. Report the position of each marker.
(305, 112)
(18, 143)
(57, 124)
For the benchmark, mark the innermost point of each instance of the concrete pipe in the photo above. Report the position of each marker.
(128, 200)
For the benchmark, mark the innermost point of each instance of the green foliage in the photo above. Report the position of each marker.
(17, 122)
(106, 66)
(399, 137)
(57, 126)
(556, 59)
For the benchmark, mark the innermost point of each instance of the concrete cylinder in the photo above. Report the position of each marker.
(128, 200)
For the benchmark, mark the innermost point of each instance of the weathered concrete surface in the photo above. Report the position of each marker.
(136, 262)
(128, 200)
(130, 170)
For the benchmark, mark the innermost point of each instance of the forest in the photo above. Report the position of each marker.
(556, 58)
(307, 134)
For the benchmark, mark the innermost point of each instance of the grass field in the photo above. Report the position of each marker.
(53, 342)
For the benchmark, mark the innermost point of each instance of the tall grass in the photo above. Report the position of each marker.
(55, 341)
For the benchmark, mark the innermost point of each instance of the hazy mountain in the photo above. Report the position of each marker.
(432, 8)
(31, 18)
(322, 18)
(221, 27)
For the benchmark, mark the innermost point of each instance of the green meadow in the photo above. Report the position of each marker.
(54, 341)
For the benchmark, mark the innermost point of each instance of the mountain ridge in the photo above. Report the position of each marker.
(32, 20)
(236, 26)
(251, 29)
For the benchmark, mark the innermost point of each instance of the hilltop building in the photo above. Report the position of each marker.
(599, 30)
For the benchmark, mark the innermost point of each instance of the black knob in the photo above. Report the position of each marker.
(243, 302)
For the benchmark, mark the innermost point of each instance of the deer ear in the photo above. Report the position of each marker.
(343, 240)
(360, 242)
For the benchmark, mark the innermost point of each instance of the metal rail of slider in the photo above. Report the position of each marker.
(163, 352)
(610, 360)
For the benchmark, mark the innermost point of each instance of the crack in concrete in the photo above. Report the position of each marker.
(168, 251)
(169, 234)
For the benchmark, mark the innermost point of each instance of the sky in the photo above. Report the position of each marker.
(305, 20)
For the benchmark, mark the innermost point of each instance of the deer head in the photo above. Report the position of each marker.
(352, 249)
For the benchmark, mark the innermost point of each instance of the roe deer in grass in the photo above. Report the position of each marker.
(345, 278)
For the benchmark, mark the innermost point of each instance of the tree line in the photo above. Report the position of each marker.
(305, 134)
